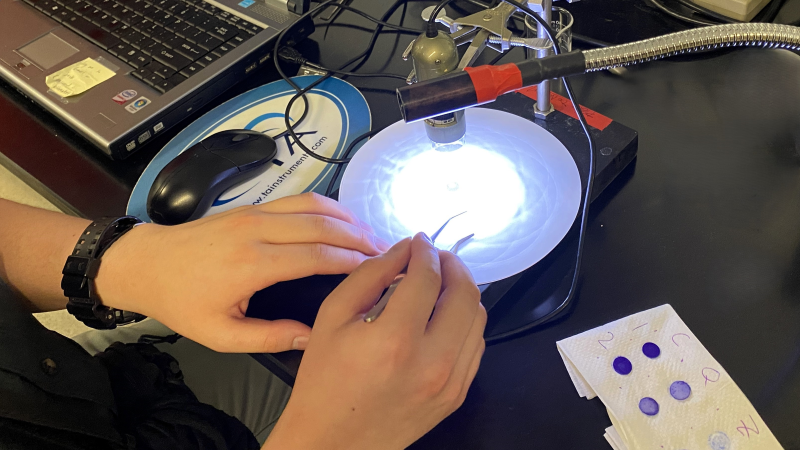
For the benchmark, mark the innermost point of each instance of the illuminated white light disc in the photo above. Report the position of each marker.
(518, 183)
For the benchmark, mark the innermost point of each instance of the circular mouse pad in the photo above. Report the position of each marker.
(338, 114)
(518, 184)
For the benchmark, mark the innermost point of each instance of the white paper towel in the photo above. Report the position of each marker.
(712, 413)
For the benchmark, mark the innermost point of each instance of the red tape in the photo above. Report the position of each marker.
(493, 81)
(562, 104)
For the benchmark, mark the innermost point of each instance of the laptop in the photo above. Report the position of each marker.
(169, 58)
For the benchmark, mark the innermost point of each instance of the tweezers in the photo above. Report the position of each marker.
(376, 310)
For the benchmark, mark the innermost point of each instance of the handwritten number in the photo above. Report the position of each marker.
(679, 334)
(747, 429)
(712, 373)
(600, 341)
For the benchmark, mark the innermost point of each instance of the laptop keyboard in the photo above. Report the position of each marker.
(166, 41)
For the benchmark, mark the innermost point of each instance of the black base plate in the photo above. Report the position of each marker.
(525, 296)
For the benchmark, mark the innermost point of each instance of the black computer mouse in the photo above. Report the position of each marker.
(189, 184)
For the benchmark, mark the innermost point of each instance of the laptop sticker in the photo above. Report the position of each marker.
(140, 103)
(124, 96)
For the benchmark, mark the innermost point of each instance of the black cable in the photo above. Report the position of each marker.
(679, 16)
(586, 199)
(431, 30)
(361, 28)
(707, 12)
(591, 41)
(355, 74)
(350, 148)
(301, 92)
(373, 19)
(291, 55)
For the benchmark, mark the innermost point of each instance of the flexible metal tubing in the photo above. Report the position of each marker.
(766, 35)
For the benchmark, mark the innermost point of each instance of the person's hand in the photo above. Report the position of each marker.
(382, 385)
(197, 278)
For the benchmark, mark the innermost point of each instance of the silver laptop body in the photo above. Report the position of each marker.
(170, 57)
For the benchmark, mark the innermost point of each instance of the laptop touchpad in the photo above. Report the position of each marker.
(48, 50)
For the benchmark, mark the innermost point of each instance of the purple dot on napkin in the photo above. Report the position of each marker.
(648, 406)
(622, 365)
(651, 350)
(680, 390)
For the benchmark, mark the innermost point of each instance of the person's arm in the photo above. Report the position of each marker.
(196, 278)
(382, 385)
(34, 245)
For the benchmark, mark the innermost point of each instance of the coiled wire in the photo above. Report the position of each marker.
(768, 35)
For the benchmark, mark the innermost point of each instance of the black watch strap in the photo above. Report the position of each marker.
(81, 269)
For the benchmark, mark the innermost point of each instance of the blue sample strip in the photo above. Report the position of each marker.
(246, 3)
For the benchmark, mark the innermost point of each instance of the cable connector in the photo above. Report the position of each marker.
(289, 54)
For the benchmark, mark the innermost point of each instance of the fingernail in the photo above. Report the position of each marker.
(427, 238)
(300, 343)
(382, 245)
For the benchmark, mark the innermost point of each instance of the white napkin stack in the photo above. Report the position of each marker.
(661, 387)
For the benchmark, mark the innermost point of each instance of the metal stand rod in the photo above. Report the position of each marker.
(543, 90)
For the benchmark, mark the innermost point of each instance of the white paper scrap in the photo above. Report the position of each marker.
(661, 387)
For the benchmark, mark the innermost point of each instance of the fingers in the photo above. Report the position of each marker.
(457, 307)
(249, 335)
(413, 301)
(469, 360)
(292, 261)
(310, 203)
(309, 228)
(360, 291)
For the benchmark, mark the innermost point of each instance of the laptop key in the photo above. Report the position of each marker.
(105, 5)
(224, 31)
(208, 42)
(113, 27)
(207, 59)
(138, 6)
(120, 50)
(62, 14)
(71, 4)
(153, 79)
(162, 34)
(170, 58)
(103, 20)
(186, 48)
(191, 69)
(249, 27)
(52, 7)
(122, 13)
(134, 19)
(84, 9)
(184, 29)
(176, 79)
(92, 32)
(163, 18)
(141, 73)
(145, 45)
(140, 60)
(239, 39)
(222, 49)
(160, 69)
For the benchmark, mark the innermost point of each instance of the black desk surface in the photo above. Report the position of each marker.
(707, 219)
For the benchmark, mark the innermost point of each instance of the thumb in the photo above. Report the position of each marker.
(250, 335)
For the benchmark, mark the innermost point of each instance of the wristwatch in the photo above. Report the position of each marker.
(81, 269)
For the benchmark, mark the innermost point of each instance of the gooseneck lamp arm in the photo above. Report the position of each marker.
(483, 84)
